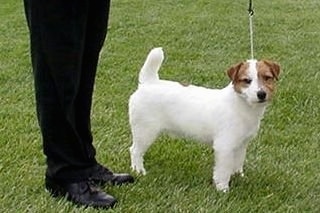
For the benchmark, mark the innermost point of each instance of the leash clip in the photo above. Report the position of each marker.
(250, 9)
(251, 12)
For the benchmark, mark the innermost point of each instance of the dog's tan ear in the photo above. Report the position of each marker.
(233, 71)
(274, 67)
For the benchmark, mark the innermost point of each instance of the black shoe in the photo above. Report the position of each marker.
(102, 176)
(82, 193)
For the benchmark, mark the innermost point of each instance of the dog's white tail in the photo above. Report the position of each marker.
(150, 68)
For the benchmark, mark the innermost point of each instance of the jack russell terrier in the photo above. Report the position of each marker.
(224, 118)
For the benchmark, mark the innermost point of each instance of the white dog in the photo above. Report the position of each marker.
(224, 118)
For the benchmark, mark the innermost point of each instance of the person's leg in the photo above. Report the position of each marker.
(64, 70)
(57, 34)
(58, 30)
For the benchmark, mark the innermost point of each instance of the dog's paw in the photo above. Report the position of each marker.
(222, 187)
(139, 170)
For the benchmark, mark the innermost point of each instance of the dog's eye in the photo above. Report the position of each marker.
(247, 80)
(267, 78)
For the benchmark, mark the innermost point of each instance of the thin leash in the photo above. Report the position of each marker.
(251, 12)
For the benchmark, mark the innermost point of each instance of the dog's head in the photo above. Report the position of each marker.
(255, 80)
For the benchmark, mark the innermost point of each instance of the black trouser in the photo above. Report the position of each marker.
(66, 38)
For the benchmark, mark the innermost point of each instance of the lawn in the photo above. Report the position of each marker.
(201, 39)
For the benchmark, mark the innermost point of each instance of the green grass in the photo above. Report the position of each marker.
(201, 40)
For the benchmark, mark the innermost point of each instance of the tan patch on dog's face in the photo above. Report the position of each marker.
(239, 76)
(268, 73)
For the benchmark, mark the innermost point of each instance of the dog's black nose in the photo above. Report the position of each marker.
(261, 95)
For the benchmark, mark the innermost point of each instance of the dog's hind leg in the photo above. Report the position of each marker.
(142, 138)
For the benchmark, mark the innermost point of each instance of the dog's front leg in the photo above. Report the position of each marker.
(224, 165)
(239, 158)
